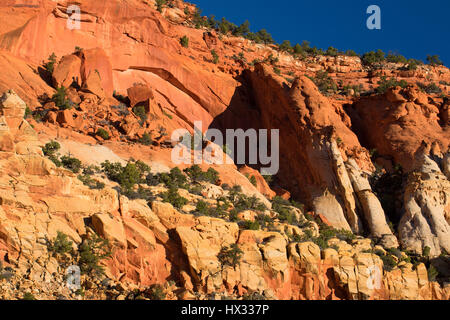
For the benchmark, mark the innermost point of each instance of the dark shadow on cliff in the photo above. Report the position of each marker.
(245, 113)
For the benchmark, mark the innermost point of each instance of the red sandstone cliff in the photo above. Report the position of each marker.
(130, 49)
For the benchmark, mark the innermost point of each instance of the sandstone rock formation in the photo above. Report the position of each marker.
(426, 219)
(332, 148)
(315, 168)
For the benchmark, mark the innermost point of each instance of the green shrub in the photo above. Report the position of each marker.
(413, 64)
(332, 52)
(234, 193)
(233, 215)
(60, 99)
(140, 193)
(250, 225)
(51, 148)
(212, 23)
(218, 211)
(325, 234)
(396, 58)
(434, 60)
(252, 180)
(39, 115)
(198, 20)
(314, 51)
(257, 37)
(328, 233)
(384, 84)
(215, 56)
(324, 82)
(285, 214)
(140, 112)
(197, 175)
(60, 245)
(255, 296)
(230, 256)
(226, 187)
(243, 29)
(160, 5)
(264, 221)
(286, 46)
(426, 251)
(264, 36)
(277, 70)
(184, 41)
(430, 88)
(388, 262)
(351, 53)
(71, 164)
(371, 58)
(92, 251)
(268, 179)
(28, 296)
(433, 273)
(298, 49)
(157, 292)
(299, 206)
(27, 113)
(308, 217)
(91, 183)
(272, 60)
(202, 208)
(102, 133)
(174, 198)
(55, 160)
(146, 139)
(321, 242)
(242, 202)
(175, 178)
(226, 26)
(152, 180)
(50, 65)
(127, 177)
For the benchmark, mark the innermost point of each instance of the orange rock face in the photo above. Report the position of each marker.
(128, 54)
(259, 182)
(398, 122)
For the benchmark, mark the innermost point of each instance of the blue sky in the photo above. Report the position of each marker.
(413, 28)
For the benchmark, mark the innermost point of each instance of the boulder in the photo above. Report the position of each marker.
(67, 72)
(96, 72)
(93, 84)
(140, 94)
(65, 118)
(111, 228)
